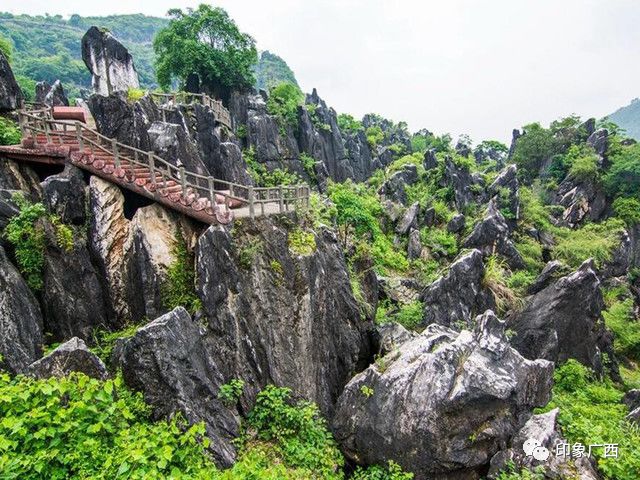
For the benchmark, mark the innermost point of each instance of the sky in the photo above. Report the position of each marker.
(479, 67)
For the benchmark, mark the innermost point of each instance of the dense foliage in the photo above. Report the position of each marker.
(204, 44)
(272, 70)
(9, 132)
(179, 288)
(283, 102)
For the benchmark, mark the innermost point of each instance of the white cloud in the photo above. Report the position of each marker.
(463, 66)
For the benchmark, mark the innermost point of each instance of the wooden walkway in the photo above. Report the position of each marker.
(206, 199)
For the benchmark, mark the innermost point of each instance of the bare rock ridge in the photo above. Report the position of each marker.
(109, 62)
(10, 94)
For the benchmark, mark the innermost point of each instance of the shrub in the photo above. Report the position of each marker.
(595, 240)
(179, 287)
(533, 149)
(585, 168)
(531, 252)
(6, 48)
(297, 433)
(410, 315)
(591, 413)
(135, 94)
(495, 279)
(105, 340)
(627, 209)
(301, 242)
(283, 102)
(375, 135)
(231, 392)
(619, 318)
(623, 178)
(392, 471)
(248, 252)
(309, 165)
(347, 123)
(439, 241)
(78, 427)
(25, 232)
(9, 132)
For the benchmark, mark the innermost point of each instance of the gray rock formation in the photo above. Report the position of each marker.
(167, 360)
(296, 325)
(172, 143)
(72, 356)
(52, 95)
(551, 272)
(394, 188)
(505, 188)
(460, 179)
(455, 299)
(492, 236)
(65, 195)
(414, 247)
(20, 320)
(456, 224)
(391, 336)
(409, 219)
(109, 62)
(73, 300)
(583, 200)
(564, 321)
(10, 94)
(544, 428)
(444, 404)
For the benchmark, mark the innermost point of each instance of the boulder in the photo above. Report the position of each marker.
(492, 236)
(583, 200)
(443, 404)
(394, 188)
(409, 219)
(621, 258)
(20, 320)
(460, 179)
(456, 298)
(10, 94)
(109, 62)
(65, 194)
(391, 336)
(414, 247)
(167, 360)
(72, 356)
(172, 143)
(551, 272)
(545, 430)
(280, 317)
(599, 141)
(51, 95)
(456, 224)
(18, 176)
(430, 161)
(564, 321)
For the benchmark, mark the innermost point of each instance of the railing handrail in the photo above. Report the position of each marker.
(41, 121)
(222, 113)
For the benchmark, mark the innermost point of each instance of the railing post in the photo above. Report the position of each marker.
(116, 156)
(212, 193)
(79, 136)
(152, 168)
(183, 181)
(21, 122)
(251, 204)
(280, 199)
(46, 131)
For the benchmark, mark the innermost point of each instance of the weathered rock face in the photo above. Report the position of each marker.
(409, 219)
(391, 336)
(172, 143)
(10, 94)
(73, 300)
(564, 321)
(505, 188)
(110, 242)
(460, 179)
(167, 360)
(444, 404)
(286, 319)
(515, 135)
(582, 200)
(65, 195)
(394, 188)
(155, 232)
(71, 356)
(456, 298)
(16, 176)
(543, 428)
(52, 95)
(491, 236)
(20, 319)
(414, 246)
(456, 224)
(109, 62)
(116, 118)
(551, 272)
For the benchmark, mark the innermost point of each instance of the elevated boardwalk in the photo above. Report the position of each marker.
(47, 140)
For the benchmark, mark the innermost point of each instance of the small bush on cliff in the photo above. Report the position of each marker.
(301, 242)
(594, 240)
(348, 124)
(9, 132)
(620, 319)
(283, 102)
(627, 209)
(591, 413)
(25, 232)
(78, 427)
(179, 287)
(623, 178)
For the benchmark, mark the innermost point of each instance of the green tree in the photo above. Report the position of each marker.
(6, 48)
(204, 46)
(283, 102)
(533, 149)
(623, 178)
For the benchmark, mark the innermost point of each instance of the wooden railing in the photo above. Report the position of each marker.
(222, 114)
(282, 198)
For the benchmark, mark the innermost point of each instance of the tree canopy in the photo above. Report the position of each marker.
(204, 46)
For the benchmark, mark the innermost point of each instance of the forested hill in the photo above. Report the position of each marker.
(48, 48)
(628, 118)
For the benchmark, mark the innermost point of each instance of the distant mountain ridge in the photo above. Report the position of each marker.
(628, 118)
(48, 48)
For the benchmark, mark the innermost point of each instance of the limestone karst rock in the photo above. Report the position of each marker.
(10, 94)
(167, 360)
(72, 356)
(51, 95)
(109, 62)
(455, 299)
(20, 319)
(444, 403)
